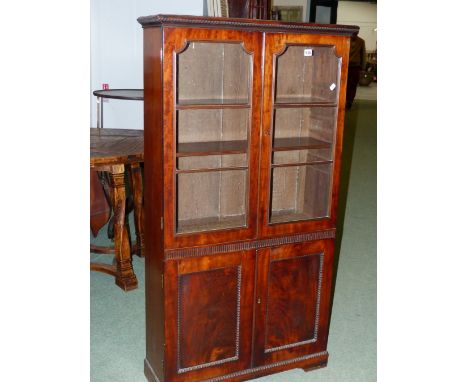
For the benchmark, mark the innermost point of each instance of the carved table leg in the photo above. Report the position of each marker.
(137, 188)
(125, 277)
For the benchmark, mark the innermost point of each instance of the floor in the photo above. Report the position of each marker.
(367, 92)
(118, 321)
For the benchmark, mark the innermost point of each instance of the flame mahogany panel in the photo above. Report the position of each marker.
(209, 315)
(293, 287)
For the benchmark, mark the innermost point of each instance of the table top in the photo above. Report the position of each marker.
(130, 94)
(115, 146)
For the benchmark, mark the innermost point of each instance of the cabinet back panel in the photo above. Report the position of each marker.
(237, 69)
(325, 77)
(284, 188)
(212, 125)
(300, 192)
(317, 182)
(311, 78)
(213, 71)
(213, 196)
(321, 123)
(316, 122)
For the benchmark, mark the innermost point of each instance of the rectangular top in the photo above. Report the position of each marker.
(115, 146)
(245, 24)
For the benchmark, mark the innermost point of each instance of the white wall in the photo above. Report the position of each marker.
(362, 14)
(117, 52)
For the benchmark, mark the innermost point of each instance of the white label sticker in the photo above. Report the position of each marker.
(332, 86)
(308, 52)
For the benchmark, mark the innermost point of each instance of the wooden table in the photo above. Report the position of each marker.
(111, 151)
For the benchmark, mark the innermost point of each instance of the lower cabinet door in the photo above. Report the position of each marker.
(292, 302)
(209, 309)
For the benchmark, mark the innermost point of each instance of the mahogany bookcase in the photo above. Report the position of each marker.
(243, 134)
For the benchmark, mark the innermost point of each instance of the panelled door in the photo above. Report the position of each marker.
(212, 83)
(209, 323)
(292, 301)
(303, 103)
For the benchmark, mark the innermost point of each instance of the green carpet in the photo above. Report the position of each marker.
(118, 321)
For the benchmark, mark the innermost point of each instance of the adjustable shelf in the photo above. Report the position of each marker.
(295, 102)
(211, 169)
(297, 164)
(213, 104)
(191, 149)
(299, 143)
(210, 223)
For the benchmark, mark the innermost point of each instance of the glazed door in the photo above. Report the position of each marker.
(305, 80)
(211, 135)
(209, 322)
(292, 301)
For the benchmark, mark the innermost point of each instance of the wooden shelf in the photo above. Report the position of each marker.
(191, 149)
(284, 102)
(211, 169)
(310, 163)
(284, 144)
(291, 216)
(213, 104)
(210, 224)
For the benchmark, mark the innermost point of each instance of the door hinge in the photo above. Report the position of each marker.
(162, 223)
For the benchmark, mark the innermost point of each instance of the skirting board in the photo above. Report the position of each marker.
(308, 362)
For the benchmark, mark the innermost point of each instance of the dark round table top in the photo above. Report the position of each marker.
(130, 94)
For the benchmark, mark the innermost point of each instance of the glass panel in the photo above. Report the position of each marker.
(302, 161)
(212, 131)
(300, 192)
(307, 74)
(211, 200)
(304, 128)
(213, 72)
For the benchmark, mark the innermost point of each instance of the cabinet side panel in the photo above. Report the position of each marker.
(153, 170)
(343, 52)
